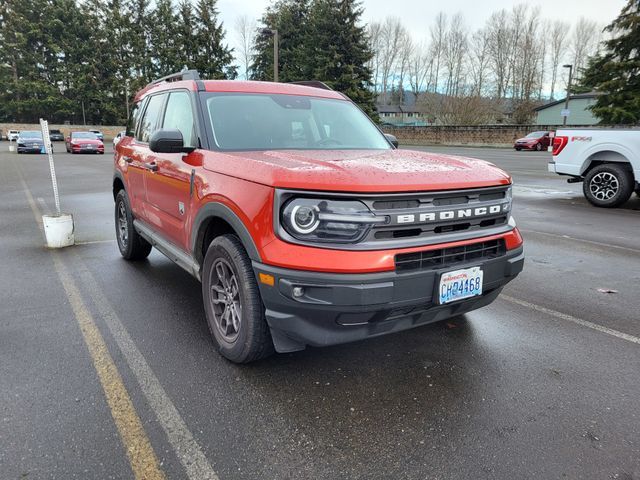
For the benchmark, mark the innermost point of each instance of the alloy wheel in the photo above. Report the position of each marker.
(604, 186)
(123, 225)
(225, 300)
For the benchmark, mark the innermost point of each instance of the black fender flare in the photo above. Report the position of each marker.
(219, 210)
(117, 174)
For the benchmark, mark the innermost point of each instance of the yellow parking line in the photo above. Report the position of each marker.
(142, 458)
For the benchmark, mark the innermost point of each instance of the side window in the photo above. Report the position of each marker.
(132, 122)
(149, 122)
(179, 116)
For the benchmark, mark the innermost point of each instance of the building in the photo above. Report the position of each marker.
(401, 115)
(579, 114)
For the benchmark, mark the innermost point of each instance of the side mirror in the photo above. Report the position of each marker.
(392, 139)
(168, 141)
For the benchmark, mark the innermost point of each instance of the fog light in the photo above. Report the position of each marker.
(298, 292)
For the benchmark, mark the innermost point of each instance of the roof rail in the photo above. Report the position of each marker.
(176, 77)
(313, 83)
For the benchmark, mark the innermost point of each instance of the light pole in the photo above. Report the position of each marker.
(566, 100)
(274, 32)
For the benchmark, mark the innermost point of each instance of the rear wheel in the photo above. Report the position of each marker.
(608, 185)
(232, 302)
(538, 147)
(131, 245)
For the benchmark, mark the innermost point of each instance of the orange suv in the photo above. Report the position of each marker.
(305, 224)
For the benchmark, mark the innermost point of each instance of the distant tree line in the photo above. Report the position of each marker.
(82, 60)
(58, 57)
(515, 58)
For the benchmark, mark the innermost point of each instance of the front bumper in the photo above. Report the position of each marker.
(340, 308)
(30, 149)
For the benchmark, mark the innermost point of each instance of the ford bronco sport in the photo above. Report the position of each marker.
(302, 220)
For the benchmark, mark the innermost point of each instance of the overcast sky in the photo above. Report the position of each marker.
(418, 15)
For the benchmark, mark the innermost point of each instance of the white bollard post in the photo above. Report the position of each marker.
(58, 228)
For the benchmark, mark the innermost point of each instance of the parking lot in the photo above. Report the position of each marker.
(98, 355)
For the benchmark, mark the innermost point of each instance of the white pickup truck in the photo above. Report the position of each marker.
(607, 161)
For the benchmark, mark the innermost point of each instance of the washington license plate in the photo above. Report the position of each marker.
(460, 284)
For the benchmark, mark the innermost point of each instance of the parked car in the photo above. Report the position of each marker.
(56, 136)
(30, 141)
(84, 142)
(0, 135)
(118, 137)
(304, 223)
(534, 141)
(607, 161)
(13, 135)
(98, 134)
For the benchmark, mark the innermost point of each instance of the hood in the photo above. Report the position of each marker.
(30, 140)
(358, 170)
(525, 139)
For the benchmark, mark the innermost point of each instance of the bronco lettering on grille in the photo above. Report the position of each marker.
(444, 215)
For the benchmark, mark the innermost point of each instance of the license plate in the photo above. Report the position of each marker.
(460, 284)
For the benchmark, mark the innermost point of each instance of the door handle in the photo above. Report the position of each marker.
(127, 159)
(153, 166)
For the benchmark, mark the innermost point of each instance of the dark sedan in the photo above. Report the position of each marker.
(534, 141)
(30, 142)
(56, 136)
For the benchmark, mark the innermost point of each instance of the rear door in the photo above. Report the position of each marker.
(169, 183)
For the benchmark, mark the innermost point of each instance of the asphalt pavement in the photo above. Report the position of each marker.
(107, 369)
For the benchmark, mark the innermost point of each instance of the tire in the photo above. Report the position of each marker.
(131, 245)
(538, 147)
(608, 185)
(232, 302)
(638, 191)
(518, 149)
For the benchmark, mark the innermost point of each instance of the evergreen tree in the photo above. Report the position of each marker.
(187, 45)
(164, 31)
(338, 50)
(290, 18)
(319, 40)
(616, 72)
(212, 58)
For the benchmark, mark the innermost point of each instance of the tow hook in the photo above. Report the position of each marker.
(575, 180)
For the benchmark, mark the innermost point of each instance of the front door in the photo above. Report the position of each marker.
(169, 181)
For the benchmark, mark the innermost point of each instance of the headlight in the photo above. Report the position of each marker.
(329, 221)
(508, 196)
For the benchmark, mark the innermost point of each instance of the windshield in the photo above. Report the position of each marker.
(535, 135)
(277, 122)
(84, 135)
(33, 134)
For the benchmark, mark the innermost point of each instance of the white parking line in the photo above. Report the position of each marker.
(571, 318)
(181, 439)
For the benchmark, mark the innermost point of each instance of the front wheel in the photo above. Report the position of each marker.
(539, 147)
(608, 185)
(232, 302)
(131, 245)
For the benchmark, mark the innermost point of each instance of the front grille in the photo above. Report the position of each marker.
(447, 257)
(414, 205)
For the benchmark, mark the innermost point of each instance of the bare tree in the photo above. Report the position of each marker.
(392, 34)
(500, 40)
(438, 33)
(245, 32)
(456, 40)
(374, 32)
(479, 61)
(558, 34)
(420, 69)
(584, 42)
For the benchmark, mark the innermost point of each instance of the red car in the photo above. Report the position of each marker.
(534, 141)
(302, 220)
(84, 142)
